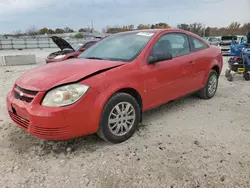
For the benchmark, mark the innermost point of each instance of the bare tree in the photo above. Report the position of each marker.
(32, 31)
(17, 33)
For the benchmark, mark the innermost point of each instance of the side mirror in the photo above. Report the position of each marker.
(158, 58)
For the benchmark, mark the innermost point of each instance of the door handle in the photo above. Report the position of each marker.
(191, 62)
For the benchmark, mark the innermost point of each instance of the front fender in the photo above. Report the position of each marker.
(106, 94)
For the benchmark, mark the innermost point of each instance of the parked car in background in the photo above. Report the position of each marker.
(107, 87)
(239, 39)
(68, 51)
(206, 38)
(214, 41)
(225, 44)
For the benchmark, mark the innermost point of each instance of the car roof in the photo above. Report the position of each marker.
(155, 31)
(85, 41)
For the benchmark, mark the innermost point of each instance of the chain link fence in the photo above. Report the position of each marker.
(8, 44)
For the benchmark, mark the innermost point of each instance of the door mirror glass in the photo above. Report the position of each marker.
(159, 57)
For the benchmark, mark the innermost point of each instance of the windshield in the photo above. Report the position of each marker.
(121, 47)
(227, 37)
(213, 39)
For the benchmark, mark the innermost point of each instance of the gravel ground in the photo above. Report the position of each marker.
(186, 143)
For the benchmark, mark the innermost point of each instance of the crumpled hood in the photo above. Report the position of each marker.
(50, 75)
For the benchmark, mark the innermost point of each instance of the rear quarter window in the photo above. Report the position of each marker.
(197, 44)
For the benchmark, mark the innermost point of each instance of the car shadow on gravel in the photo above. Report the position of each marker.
(22, 142)
(181, 104)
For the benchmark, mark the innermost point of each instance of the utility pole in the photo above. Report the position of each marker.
(204, 31)
(92, 27)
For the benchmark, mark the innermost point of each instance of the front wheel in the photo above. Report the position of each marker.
(119, 118)
(210, 88)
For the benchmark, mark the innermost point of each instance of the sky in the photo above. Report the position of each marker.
(23, 14)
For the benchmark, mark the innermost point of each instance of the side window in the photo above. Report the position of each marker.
(197, 44)
(243, 40)
(176, 44)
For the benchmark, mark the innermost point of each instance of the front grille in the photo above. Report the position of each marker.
(225, 43)
(49, 131)
(22, 98)
(24, 94)
(29, 92)
(19, 120)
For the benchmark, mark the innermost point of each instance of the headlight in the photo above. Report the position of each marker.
(59, 56)
(64, 95)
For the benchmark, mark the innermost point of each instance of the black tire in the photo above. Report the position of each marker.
(230, 77)
(204, 93)
(227, 72)
(104, 131)
(247, 76)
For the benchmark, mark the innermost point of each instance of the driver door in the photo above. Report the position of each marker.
(165, 80)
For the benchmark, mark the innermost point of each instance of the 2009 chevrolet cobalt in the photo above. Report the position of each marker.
(106, 89)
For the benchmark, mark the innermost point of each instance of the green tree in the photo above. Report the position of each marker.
(51, 31)
(83, 30)
(43, 31)
(184, 26)
(58, 30)
(79, 36)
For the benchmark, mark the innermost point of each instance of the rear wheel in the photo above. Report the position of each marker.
(210, 88)
(230, 77)
(247, 76)
(119, 119)
(227, 72)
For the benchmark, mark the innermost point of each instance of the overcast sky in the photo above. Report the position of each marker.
(21, 14)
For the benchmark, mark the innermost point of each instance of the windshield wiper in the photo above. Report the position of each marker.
(95, 58)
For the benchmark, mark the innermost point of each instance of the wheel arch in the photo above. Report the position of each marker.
(128, 90)
(217, 69)
(134, 93)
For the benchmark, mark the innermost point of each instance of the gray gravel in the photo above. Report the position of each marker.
(186, 143)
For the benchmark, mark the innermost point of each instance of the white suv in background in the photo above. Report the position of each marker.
(225, 44)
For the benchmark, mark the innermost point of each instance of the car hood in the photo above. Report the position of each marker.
(50, 75)
(61, 43)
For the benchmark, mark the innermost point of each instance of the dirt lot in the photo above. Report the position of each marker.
(187, 143)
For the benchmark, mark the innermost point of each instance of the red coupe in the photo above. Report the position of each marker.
(67, 51)
(106, 89)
